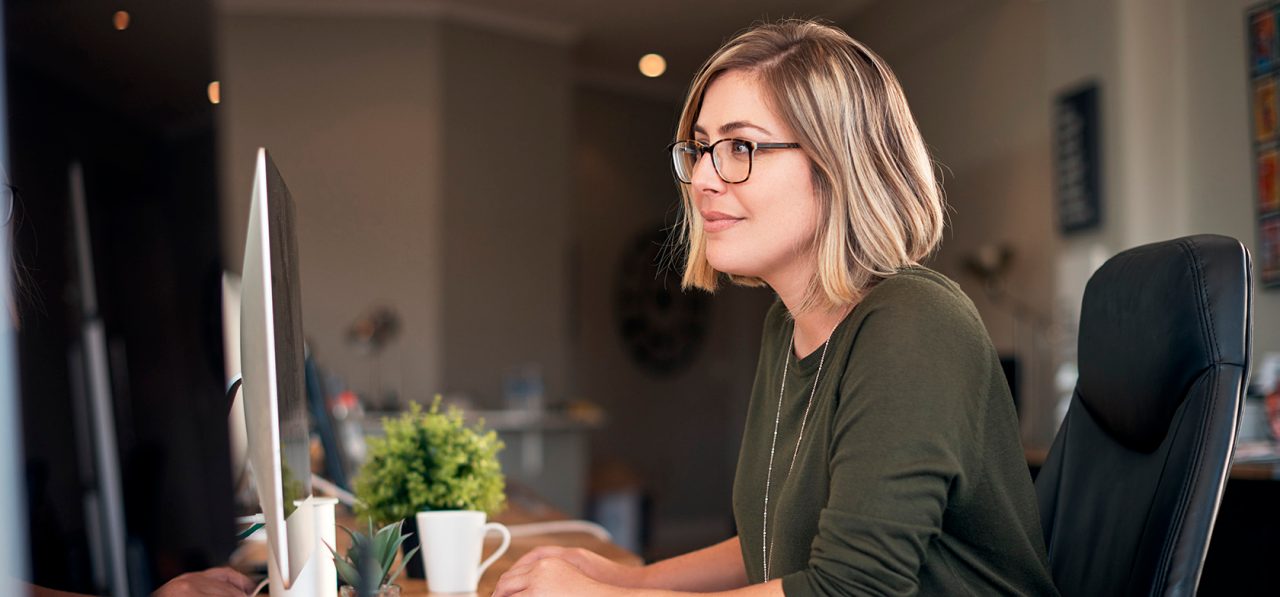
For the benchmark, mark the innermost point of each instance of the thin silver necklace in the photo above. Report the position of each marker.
(765, 546)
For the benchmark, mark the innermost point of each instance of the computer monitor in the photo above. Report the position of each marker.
(271, 356)
(13, 551)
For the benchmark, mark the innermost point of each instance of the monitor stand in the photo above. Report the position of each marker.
(319, 578)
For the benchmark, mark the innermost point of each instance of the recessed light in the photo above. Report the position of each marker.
(120, 20)
(653, 65)
(215, 93)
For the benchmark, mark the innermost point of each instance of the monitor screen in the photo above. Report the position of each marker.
(271, 353)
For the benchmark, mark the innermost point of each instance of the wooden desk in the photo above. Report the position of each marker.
(518, 513)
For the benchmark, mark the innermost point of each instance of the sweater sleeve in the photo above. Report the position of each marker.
(904, 434)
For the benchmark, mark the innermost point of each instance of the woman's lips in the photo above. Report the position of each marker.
(717, 222)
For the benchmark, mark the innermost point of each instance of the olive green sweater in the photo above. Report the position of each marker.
(910, 478)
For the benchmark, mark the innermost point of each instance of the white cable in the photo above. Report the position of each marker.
(331, 488)
(261, 585)
(560, 526)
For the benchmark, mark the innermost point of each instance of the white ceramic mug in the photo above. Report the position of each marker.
(452, 541)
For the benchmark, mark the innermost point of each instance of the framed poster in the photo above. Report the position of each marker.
(1263, 45)
(1264, 115)
(1264, 110)
(1076, 163)
(1268, 183)
(1268, 257)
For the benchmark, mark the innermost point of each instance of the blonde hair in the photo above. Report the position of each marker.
(880, 205)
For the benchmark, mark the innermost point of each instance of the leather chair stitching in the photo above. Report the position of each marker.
(1198, 283)
(1147, 524)
(1050, 534)
(1195, 275)
(1206, 306)
(1204, 318)
(1192, 479)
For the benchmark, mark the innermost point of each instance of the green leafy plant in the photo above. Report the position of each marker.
(430, 461)
(380, 548)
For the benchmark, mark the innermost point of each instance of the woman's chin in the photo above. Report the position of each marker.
(731, 267)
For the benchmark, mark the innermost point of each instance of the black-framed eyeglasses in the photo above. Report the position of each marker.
(731, 158)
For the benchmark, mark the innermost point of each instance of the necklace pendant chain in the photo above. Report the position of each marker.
(766, 546)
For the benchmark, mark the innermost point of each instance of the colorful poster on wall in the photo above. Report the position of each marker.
(1269, 248)
(1264, 73)
(1263, 46)
(1264, 110)
(1268, 182)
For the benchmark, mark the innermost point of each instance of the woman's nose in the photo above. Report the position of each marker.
(705, 179)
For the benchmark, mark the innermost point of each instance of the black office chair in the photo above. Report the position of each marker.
(1131, 486)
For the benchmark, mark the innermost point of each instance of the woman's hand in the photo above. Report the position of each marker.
(549, 577)
(591, 564)
(214, 581)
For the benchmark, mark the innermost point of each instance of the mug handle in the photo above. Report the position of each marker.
(506, 542)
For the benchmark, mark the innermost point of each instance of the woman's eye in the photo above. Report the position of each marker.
(740, 147)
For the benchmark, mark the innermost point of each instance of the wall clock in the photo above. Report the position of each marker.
(661, 326)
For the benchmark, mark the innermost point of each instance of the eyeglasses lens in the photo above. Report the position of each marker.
(730, 157)
(684, 156)
(733, 160)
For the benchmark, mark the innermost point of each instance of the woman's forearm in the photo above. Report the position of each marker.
(715, 568)
(43, 592)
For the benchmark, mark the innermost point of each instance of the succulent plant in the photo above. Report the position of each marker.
(373, 552)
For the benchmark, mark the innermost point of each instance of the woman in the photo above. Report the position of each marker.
(881, 453)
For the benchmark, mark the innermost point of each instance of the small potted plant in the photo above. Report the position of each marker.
(429, 461)
(366, 569)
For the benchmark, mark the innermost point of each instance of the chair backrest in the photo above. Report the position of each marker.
(1131, 486)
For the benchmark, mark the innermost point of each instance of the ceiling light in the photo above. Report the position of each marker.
(653, 65)
(215, 93)
(120, 20)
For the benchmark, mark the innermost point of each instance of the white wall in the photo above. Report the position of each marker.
(350, 109)
(429, 161)
(507, 126)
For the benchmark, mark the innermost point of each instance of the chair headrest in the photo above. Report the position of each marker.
(1151, 324)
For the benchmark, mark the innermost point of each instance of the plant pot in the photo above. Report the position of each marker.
(383, 591)
(413, 568)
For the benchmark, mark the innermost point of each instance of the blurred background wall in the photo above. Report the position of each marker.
(363, 156)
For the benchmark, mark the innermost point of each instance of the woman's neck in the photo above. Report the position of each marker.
(814, 326)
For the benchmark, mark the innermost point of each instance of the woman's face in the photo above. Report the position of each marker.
(762, 227)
